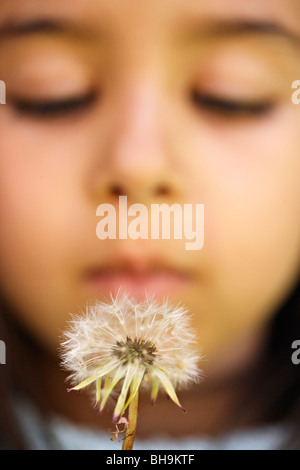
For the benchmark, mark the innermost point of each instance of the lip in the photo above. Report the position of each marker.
(138, 278)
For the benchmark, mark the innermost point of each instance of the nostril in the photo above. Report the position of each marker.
(162, 190)
(117, 190)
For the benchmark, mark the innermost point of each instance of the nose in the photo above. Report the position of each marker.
(136, 160)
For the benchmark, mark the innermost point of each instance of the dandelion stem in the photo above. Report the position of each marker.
(132, 420)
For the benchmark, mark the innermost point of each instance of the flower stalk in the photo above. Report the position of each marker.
(132, 423)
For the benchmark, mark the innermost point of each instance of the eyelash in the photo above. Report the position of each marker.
(230, 108)
(55, 108)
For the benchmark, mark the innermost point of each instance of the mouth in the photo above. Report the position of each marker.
(137, 282)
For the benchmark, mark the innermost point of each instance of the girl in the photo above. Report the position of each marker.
(177, 101)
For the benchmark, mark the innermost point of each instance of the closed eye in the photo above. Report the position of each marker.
(229, 107)
(54, 108)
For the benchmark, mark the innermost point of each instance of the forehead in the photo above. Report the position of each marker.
(140, 12)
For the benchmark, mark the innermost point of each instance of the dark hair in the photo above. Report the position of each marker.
(273, 395)
(10, 438)
(281, 387)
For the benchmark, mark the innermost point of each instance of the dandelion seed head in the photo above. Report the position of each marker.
(127, 344)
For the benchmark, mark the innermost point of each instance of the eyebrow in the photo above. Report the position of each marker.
(248, 28)
(37, 26)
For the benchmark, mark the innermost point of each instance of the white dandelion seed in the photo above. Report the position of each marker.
(128, 344)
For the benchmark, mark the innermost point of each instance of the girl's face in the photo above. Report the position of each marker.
(174, 101)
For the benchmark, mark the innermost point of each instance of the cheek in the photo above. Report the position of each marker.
(39, 202)
(29, 271)
(258, 199)
(31, 187)
(249, 183)
(41, 181)
(249, 179)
